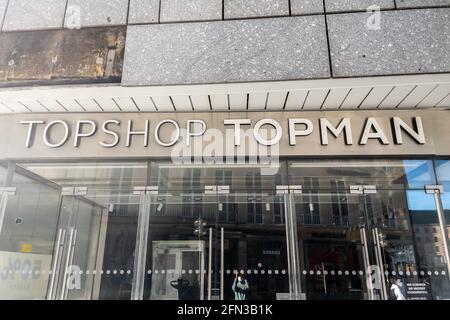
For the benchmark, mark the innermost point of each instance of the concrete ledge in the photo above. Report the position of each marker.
(227, 51)
(407, 42)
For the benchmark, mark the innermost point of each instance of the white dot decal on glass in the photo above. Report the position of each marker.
(340, 272)
(263, 272)
(325, 272)
(318, 272)
(255, 272)
(108, 271)
(163, 271)
(228, 272)
(269, 271)
(115, 271)
(333, 272)
(242, 271)
(429, 273)
(190, 271)
(259, 265)
(183, 271)
(436, 272)
(443, 273)
(386, 273)
(361, 273)
(122, 271)
(400, 273)
(415, 273)
(311, 272)
(346, 272)
(283, 271)
(248, 271)
(422, 273)
(354, 272)
(94, 272)
(394, 273)
(276, 271)
(156, 271)
(101, 271)
(305, 272)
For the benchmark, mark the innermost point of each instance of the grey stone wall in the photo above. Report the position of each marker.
(208, 41)
(49, 14)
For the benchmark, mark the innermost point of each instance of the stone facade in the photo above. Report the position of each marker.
(213, 41)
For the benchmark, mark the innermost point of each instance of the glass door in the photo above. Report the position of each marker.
(95, 227)
(75, 264)
(332, 244)
(251, 246)
(29, 210)
(174, 241)
(195, 245)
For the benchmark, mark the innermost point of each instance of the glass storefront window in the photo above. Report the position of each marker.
(385, 174)
(157, 230)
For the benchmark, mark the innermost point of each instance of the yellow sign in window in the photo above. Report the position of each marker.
(26, 248)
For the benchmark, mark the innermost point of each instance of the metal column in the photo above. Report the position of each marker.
(292, 247)
(437, 190)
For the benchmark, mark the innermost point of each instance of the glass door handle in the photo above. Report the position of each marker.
(222, 264)
(3, 201)
(56, 263)
(210, 263)
(69, 260)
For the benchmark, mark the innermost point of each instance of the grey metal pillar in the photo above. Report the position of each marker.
(140, 253)
(292, 247)
(437, 190)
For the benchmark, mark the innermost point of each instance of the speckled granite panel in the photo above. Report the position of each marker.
(34, 14)
(190, 10)
(255, 8)
(227, 51)
(100, 12)
(407, 41)
(356, 5)
(143, 11)
(306, 6)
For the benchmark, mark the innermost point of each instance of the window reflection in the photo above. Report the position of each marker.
(384, 174)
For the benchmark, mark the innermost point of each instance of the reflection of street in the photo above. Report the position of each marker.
(176, 270)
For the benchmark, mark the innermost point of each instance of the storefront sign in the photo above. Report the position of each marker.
(224, 134)
(418, 291)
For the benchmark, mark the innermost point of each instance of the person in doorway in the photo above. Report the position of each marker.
(240, 287)
(397, 289)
